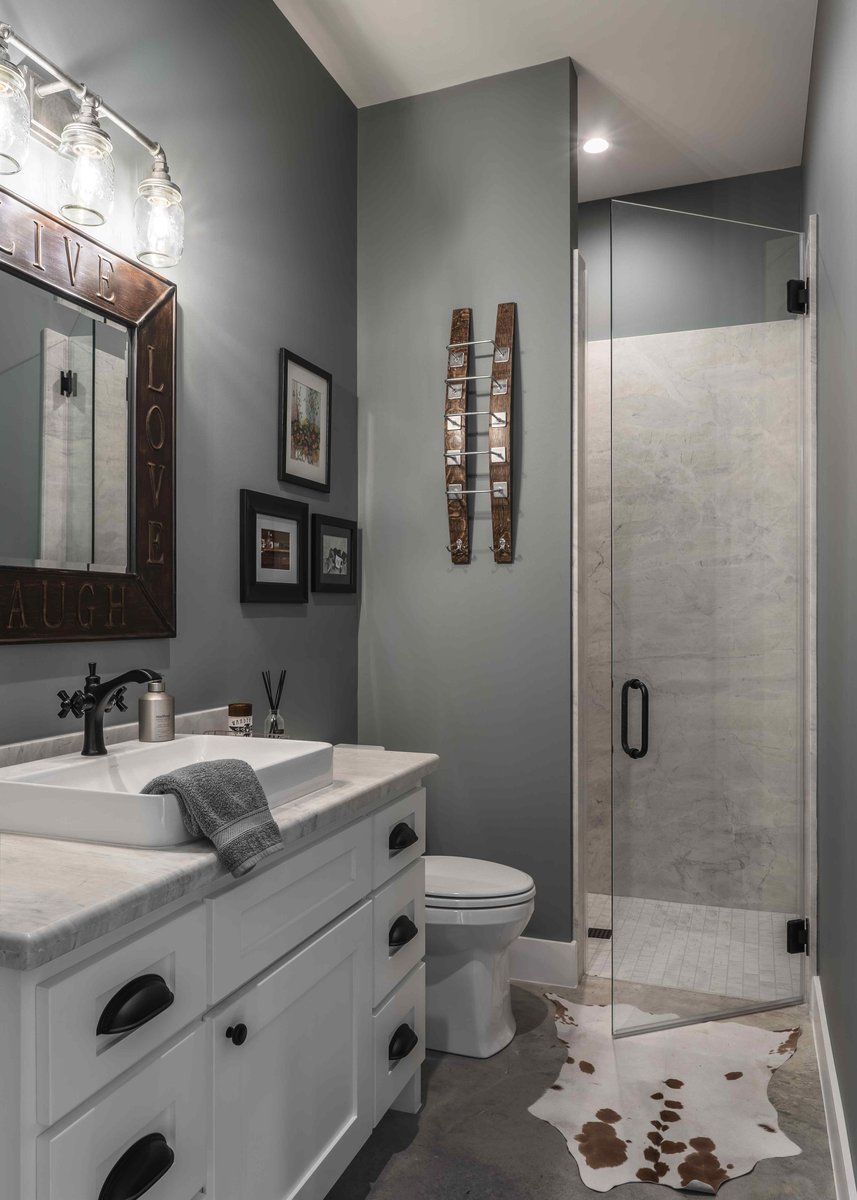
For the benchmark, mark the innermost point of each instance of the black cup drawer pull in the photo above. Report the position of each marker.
(402, 1043)
(401, 837)
(402, 931)
(135, 1003)
(642, 750)
(139, 1169)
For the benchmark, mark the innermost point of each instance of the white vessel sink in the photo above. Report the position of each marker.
(100, 799)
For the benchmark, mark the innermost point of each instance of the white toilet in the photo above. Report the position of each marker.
(474, 912)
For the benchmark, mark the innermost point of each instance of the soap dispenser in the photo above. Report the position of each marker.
(157, 714)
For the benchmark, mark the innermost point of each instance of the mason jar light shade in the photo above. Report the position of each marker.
(159, 222)
(14, 119)
(86, 174)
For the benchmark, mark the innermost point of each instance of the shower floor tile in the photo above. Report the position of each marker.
(733, 952)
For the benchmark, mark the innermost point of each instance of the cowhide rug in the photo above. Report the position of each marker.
(687, 1107)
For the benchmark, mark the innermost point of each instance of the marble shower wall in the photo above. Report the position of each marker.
(597, 640)
(706, 611)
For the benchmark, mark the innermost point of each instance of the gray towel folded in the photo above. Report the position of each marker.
(223, 800)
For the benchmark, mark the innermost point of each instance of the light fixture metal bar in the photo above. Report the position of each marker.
(79, 90)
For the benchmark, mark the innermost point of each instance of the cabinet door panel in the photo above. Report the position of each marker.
(293, 1097)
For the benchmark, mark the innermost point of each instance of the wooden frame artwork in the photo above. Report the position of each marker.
(274, 549)
(49, 605)
(306, 394)
(334, 554)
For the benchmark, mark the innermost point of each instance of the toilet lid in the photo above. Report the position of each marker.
(473, 883)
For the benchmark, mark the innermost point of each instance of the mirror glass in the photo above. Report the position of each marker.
(64, 451)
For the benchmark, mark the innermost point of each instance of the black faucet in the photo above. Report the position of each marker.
(96, 699)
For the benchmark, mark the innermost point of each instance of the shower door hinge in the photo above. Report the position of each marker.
(797, 936)
(797, 296)
(68, 383)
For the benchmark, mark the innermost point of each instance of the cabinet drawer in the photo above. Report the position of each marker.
(166, 1098)
(406, 1006)
(73, 1060)
(266, 916)
(402, 823)
(400, 907)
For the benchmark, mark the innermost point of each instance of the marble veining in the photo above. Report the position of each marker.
(57, 895)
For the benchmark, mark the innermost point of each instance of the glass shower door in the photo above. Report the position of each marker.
(707, 809)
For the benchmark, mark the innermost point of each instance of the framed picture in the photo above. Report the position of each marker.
(334, 554)
(304, 437)
(274, 549)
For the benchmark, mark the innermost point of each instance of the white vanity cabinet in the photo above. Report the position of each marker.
(296, 1020)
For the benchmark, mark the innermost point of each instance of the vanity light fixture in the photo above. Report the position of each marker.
(14, 114)
(86, 171)
(159, 218)
(86, 183)
(596, 145)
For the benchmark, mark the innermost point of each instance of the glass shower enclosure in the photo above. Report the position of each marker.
(707, 617)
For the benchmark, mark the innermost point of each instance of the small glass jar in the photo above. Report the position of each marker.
(240, 720)
(86, 174)
(159, 223)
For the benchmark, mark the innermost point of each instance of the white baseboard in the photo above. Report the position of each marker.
(535, 960)
(837, 1133)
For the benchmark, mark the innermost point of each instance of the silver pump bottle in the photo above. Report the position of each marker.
(157, 714)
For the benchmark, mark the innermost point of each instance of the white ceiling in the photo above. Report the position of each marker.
(685, 90)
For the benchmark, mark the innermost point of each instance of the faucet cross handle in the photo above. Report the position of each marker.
(118, 700)
(72, 704)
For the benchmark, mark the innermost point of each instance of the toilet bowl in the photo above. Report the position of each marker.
(474, 912)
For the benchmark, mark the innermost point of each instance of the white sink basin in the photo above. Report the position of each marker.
(100, 799)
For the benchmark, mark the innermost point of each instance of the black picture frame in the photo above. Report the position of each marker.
(289, 469)
(290, 517)
(322, 580)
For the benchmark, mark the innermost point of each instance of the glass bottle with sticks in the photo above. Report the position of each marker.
(274, 724)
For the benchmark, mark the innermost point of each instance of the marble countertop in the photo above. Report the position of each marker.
(57, 895)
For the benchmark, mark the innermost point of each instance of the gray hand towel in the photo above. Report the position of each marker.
(223, 800)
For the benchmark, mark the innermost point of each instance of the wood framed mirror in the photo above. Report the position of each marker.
(87, 436)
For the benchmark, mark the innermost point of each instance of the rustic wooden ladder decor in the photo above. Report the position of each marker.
(455, 435)
(500, 433)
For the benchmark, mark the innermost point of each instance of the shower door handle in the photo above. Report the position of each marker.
(642, 750)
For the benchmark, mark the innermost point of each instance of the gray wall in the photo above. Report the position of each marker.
(263, 144)
(770, 198)
(830, 173)
(466, 198)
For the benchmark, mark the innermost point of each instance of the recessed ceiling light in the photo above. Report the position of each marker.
(596, 145)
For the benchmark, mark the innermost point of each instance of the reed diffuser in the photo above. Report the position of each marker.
(274, 724)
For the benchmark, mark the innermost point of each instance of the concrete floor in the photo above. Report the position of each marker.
(475, 1140)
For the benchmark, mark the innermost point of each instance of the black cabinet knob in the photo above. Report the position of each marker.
(401, 837)
(139, 1169)
(402, 931)
(237, 1034)
(402, 1043)
(138, 1001)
